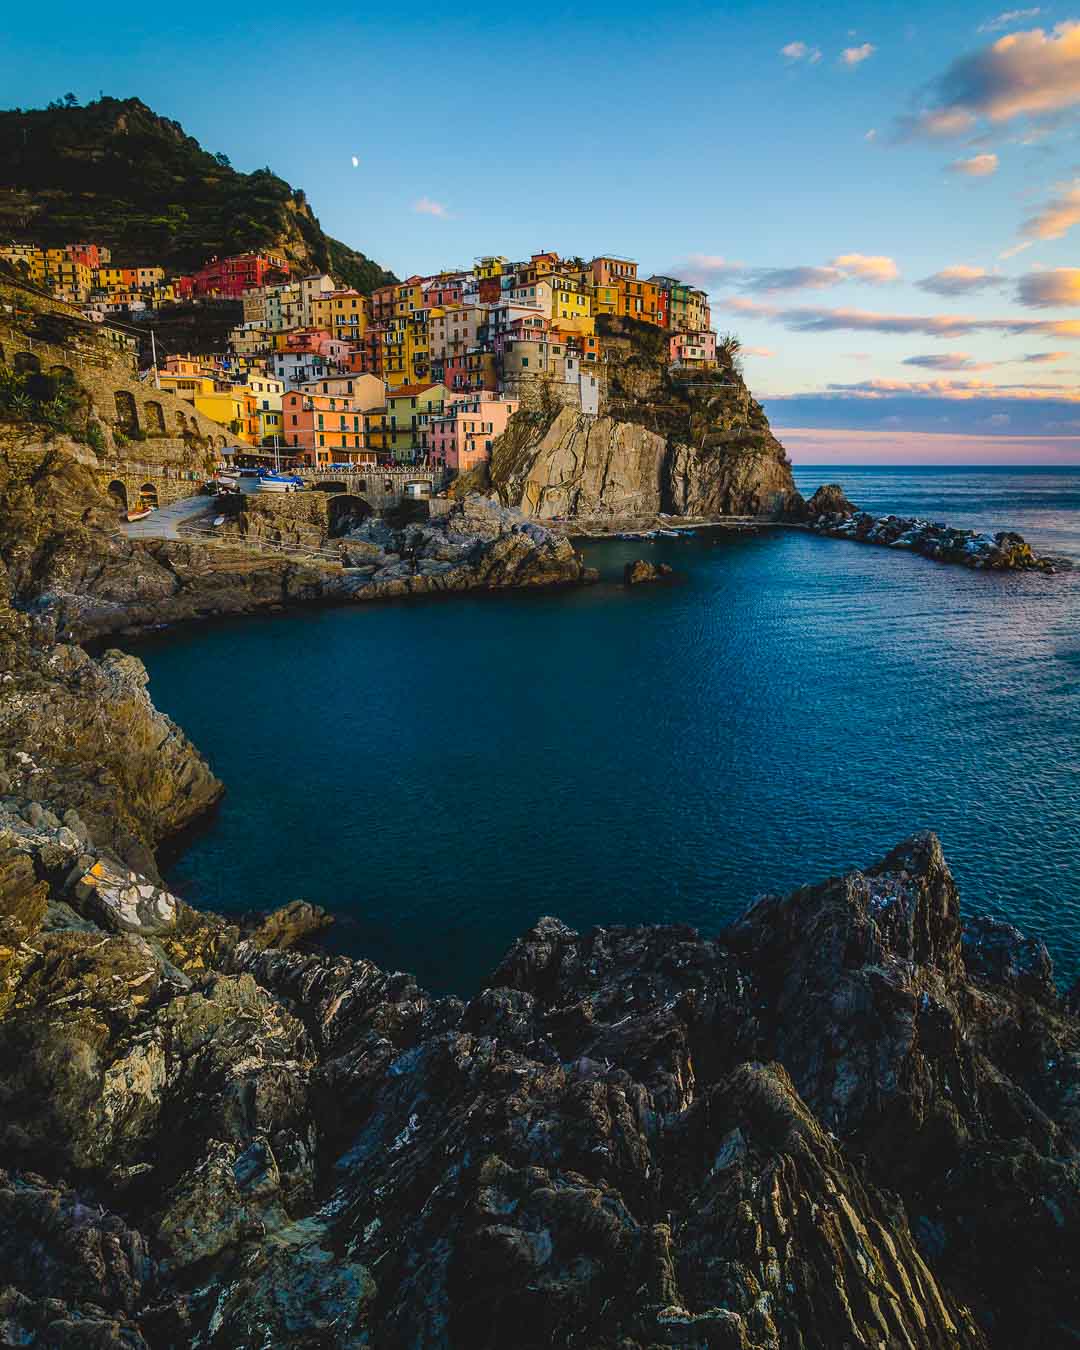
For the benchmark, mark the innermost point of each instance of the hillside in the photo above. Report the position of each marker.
(117, 173)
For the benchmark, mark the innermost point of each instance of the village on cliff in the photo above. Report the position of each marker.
(427, 371)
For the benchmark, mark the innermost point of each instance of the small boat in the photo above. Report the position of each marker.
(279, 482)
(668, 534)
(228, 476)
(219, 520)
(140, 514)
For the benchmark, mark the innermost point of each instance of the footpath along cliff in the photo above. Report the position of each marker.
(684, 442)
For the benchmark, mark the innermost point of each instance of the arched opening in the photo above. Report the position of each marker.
(127, 414)
(26, 363)
(181, 422)
(148, 496)
(221, 442)
(118, 495)
(346, 512)
(155, 419)
(62, 374)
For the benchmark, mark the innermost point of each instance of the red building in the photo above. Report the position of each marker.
(231, 277)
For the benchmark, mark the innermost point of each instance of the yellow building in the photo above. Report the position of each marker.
(605, 300)
(343, 314)
(570, 299)
(407, 417)
(27, 258)
(406, 349)
(490, 267)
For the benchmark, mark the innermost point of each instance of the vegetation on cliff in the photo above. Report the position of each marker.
(117, 173)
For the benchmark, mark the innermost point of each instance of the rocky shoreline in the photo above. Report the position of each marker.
(829, 512)
(840, 1120)
(851, 1117)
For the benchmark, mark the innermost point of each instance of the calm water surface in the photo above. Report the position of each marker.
(440, 773)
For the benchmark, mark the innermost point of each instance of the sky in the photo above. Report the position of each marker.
(883, 201)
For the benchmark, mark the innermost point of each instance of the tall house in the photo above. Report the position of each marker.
(230, 277)
(409, 410)
(345, 314)
(611, 271)
(324, 428)
(688, 307)
(312, 286)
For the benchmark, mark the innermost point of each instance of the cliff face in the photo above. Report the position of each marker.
(686, 443)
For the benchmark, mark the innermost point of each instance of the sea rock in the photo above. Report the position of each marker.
(288, 925)
(1004, 551)
(634, 573)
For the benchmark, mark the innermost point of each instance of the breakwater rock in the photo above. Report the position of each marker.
(1001, 552)
(850, 1118)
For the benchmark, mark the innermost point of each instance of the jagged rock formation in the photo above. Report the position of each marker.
(1004, 551)
(687, 443)
(848, 1119)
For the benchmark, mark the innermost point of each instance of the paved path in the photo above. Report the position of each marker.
(164, 524)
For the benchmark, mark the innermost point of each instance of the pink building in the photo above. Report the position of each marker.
(318, 342)
(442, 291)
(462, 436)
(693, 349)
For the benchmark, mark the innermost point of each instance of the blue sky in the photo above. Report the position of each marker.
(884, 202)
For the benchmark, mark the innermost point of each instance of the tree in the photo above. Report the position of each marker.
(70, 101)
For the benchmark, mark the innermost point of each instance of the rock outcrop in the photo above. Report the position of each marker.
(851, 1118)
(72, 572)
(641, 570)
(687, 442)
(1004, 551)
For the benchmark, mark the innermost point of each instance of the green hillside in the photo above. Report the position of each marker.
(116, 173)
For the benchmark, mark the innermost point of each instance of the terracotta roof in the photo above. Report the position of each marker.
(410, 390)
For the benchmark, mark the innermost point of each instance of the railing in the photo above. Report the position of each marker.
(261, 545)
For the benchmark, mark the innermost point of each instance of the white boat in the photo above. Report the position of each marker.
(286, 482)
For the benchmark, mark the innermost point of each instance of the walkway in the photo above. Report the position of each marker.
(165, 523)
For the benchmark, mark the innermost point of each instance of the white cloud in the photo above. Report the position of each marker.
(855, 56)
(1007, 19)
(871, 135)
(355, 161)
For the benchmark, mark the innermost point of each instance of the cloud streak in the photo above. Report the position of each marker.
(811, 319)
(1057, 217)
(1006, 20)
(960, 280)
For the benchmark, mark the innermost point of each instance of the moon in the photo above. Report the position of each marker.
(355, 162)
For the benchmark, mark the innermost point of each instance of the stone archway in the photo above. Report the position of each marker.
(118, 494)
(345, 512)
(155, 419)
(148, 495)
(127, 413)
(26, 363)
(181, 422)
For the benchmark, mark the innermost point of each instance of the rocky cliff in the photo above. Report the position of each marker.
(850, 1119)
(690, 443)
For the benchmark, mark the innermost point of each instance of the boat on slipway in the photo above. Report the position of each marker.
(279, 482)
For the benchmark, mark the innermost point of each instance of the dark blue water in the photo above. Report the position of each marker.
(440, 773)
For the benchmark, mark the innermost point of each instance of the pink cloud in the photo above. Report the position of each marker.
(867, 267)
(855, 56)
(810, 319)
(1030, 73)
(426, 207)
(978, 166)
(959, 280)
(1053, 287)
(814, 445)
(1057, 217)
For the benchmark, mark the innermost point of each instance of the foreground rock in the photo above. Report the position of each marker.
(641, 570)
(848, 1119)
(1001, 552)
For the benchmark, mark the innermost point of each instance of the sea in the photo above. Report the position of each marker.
(440, 773)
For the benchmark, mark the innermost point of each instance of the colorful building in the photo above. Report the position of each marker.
(693, 349)
(324, 428)
(408, 413)
(462, 435)
(231, 277)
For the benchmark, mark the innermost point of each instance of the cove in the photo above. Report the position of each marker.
(441, 773)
